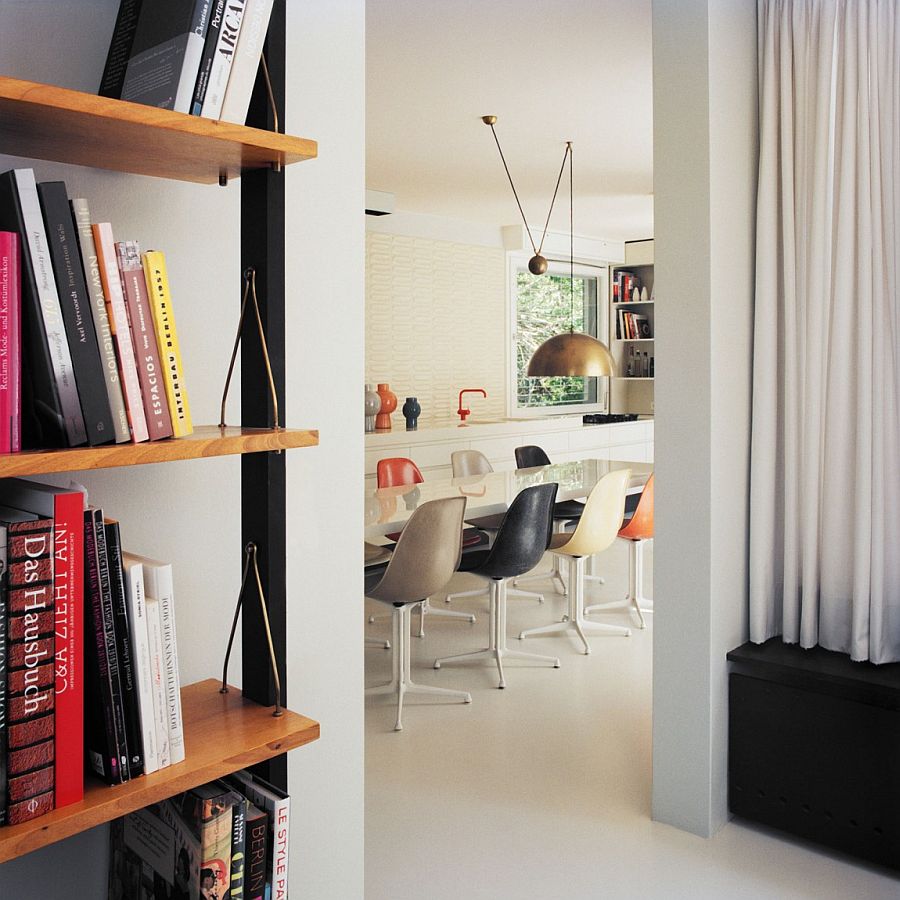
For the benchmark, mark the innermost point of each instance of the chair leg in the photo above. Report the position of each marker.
(427, 609)
(635, 585)
(575, 620)
(401, 683)
(377, 642)
(497, 649)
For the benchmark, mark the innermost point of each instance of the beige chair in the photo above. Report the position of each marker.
(596, 530)
(374, 560)
(474, 462)
(425, 557)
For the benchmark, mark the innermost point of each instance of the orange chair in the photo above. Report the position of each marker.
(637, 531)
(399, 470)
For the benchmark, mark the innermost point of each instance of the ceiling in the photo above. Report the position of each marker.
(576, 70)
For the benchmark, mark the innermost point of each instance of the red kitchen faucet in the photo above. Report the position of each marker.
(463, 412)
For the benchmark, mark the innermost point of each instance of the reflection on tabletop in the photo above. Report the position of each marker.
(491, 492)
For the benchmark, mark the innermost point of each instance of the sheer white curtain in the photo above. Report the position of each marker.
(825, 457)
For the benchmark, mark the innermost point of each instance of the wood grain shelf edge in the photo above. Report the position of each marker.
(223, 733)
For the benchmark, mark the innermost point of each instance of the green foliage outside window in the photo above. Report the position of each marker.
(544, 308)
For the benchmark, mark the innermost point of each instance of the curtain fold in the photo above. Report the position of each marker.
(825, 447)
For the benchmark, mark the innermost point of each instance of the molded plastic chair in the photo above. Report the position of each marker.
(399, 470)
(520, 543)
(637, 531)
(596, 530)
(424, 560)
(474, 462)
(565, 511)
(375, 560)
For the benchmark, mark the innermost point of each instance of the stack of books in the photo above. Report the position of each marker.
(89, 350)
(193, 56)
(88, 652)
(228, 838)
(632, 326)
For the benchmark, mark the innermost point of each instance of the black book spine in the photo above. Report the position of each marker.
(256, 828)
(120, 49)
(43, 423)
(76, 312)
(238, 843)
(209, 52)
(3, 699)
(124, 651)
(100, 730)
(112, 656)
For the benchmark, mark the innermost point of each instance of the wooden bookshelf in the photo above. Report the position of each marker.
(206, 441)
(222, 733)
(46, 122)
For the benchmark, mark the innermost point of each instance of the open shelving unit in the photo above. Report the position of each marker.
(632, 393)
(223, 732)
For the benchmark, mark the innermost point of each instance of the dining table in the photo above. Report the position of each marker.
(387, 509)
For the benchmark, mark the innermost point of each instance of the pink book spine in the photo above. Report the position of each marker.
(10, 304)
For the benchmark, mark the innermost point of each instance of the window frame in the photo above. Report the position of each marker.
(518, 262)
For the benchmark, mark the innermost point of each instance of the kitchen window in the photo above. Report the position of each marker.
(542, 307)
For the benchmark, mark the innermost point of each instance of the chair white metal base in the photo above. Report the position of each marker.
(575, 620)
(486, 590)
(498, 649)
(425, 609)
(401, 683)
(377, 642)
(635, 598)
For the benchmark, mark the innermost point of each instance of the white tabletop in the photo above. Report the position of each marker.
(387, 509)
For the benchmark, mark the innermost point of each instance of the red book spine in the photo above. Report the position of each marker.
(31, 710)
(10, 343)
(68, 587)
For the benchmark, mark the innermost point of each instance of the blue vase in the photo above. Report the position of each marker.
(411, 410)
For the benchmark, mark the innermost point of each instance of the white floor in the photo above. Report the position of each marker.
(542, 790)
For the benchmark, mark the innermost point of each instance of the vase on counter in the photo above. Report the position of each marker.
(373, 406)
(388, 405)
(411, 411)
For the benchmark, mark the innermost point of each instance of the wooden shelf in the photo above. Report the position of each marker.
(46, 122)
(635, 340)
(222, 733)
(206, 441)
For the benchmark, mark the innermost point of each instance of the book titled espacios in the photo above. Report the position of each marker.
(167, 336)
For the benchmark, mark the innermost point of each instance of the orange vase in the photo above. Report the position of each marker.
(388, 405)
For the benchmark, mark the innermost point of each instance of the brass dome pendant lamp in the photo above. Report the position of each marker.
(572, 353)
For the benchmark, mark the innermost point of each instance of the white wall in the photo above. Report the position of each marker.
(705, 144)
(189, 512)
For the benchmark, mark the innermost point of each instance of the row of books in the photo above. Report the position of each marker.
(627, 287)
(193, 56)
(89, 350)
(632, 326)
(88, 652)
(225, 839)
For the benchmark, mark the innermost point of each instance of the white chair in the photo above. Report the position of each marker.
(596, 530)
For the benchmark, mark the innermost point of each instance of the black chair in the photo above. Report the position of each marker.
(563, 512)
(523, 537)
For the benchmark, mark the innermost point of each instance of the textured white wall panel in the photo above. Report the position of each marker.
(435, 318)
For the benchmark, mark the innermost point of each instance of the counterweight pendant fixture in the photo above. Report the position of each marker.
(572, 353)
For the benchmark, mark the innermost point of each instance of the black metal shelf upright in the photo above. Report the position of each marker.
(263, 475)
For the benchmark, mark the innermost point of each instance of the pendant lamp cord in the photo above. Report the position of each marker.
(571, 244)
(536, 248)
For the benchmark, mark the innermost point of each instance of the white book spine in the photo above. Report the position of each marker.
(246, 61)
(281, 828)
(158, 582)
(223, 58)
(119, 314)
(63, 374)
(157, 674)
(140, 642)
(193, 51)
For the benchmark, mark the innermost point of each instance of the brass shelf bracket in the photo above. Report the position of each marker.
(250, 290)
(250, 557)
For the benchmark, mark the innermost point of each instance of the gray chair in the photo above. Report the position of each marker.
(425, 557)
(520, 543)
(375, 559)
